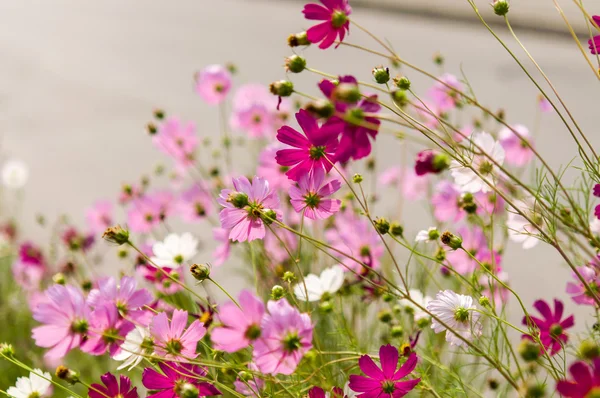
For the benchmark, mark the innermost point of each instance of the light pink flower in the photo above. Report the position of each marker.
(445, 96)
(269, 169)
(310, 197)
(518, 152)
(65, 318)
(544, 104)
(106, 331)
(143, 215)
(412, 186)
(213, 83)
(246, 207)
(240, 327)
(577, 290)
(194, 204)
(173, 341)
(100, 216)
(446, 202)
(255, 111)
(176, 139)
(286, 337)
(489, 203)
(124, 296)
(222, 251)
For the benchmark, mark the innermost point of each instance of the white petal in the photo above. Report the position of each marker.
(332, 278)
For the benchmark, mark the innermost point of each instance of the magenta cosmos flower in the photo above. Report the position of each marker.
(597, 194)
(248, 208)
(335, 14)
(551, 327)
(175, 379)
(318, 392)
(124, 295)
(595, 41)
(100, 216)
(240, 327)
(577, 290)
(430, 162)
(286, 337)
(387, 381)
(195, 204)
(173, 341)
(585, 383)
(517, 150)
(106, 331)
(351, 119)
(213, 83)
(65, 316)
(310, 197)
(314, 150)
(113, 388)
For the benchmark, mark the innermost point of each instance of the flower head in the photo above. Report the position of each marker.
(113, 388)
(124, 296)
(518, 149)
(240, 327)
(38, 384)
(585, 381)
(314, 288)
(194, 204)
(175, 379)
(100, 216)
(446, 202)
(473, 241)
(213, 83)
(173, 340)
(106, 331)
(551, 326)
(594, 42)
(455, 311)
(578, 291)
(14, 174)
(269, 169)
(177, 140)
(144, 214)
(387, 380)
(174, 250)
(286, 337)
(255, 111)
(310, 197)
(336, 24)
(445, 94)
(137, 346)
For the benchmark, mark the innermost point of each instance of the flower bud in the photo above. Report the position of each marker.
(298, 39)
(467, 203)
(381, 74)
(289, 276)
(501, 7)
(321, 108)
(382, 225)
(200, 272)
(422, 323)
(346, 92)
(59, 278)
(152, 129)
(159, 114)
(87, 285)
(438, 59)
(268, 216)
(402, 83)
(388, 298)
(238, 199)
(484, 301)
(433, 234)
(451, 240)
(66, 374)
(400, 98)
(396, 229)
(493, 384)
(357, 179)
(122, 253)
(397, 331)
(326, 307)
(537, 390)
(589, 350)
(245, 376)
(440, 254)
(277, 292)
(186, 390)
(116, 235)
(7, 349)
(282, 88)
(529, 350)
(385, 316)
(295, 64)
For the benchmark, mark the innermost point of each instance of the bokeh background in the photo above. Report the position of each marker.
(79, 81)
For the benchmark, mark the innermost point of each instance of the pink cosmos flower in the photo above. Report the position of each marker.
(310, 196)
(489, 203)
(412, 186)
(518, 153)
(314, 150)
(445, 96)
(473, 241)
(269, 169)
(429, 115)
(595, 41)
(99, 216)
(194, 204)
(176, 139)
(213, 83)
(125, 296)
(585, 383)
(355, 126)
(28, 276)
(171, 341)
(246, 209)
(249, 388)
(106, 331)
(240, 327)
(318, 392)
(385, 381)
(162, 282)
(65, 318)
(30, 254)
(544, 104)
(113, 388)
(286, 337)
(446, 202)
(221, 252)
(255, 111)
(335, 14)
(552, 327)
(129, 193)
(357, 237)
(577, 290)
(175, 379)
(75, 240)
(276, 250)
(143, 215)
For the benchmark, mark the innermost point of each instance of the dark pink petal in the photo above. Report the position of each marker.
(368, 366)
(110, 381)
(153, 380)
(326, 86)
(568, 322)
(407, 367)
(329, 39)
(363, 384)
(290, 157)
(388, 356)
(291, 137)
(98, 391)
(569, 389)
(307, 122)
(558, 310)
(582, 375)
(207, 389)
(316, 12)
(318, 32)
(404, 387)
(316, 392)
(544, 309)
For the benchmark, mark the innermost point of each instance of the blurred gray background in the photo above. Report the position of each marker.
(78, 82)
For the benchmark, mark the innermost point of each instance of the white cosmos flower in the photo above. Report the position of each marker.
(14, 174)
(520, 230)
(427, 235)
(174, 250)
(467, 179)
(421, 299)
(595, 226)
(33, 386)
(133, 349)
(330, 281)
(457, 312)
(348, 393)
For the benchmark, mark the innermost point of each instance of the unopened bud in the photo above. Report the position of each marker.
(321, 108)
(59, 278)
(451, 240)
(381, 74)
(357, 179)
(117, 235)
(159, 114)
(66, 374)
(397, 331)
(400, 98)
(326, 306)
(385, 316)
(347, 92)
(529, 350)
(277, 292)
(440, 254)
(501, 7)
(537, 390)
(282, 88)
(289, 276)
(238, 199)
(295, 64)
(589, 350)
(298, 39)
(396, 229)
(7, 349)
(402, 83)
(200, 272)
(268, 216)
(484, 301)
(382, 225)
(152, 129)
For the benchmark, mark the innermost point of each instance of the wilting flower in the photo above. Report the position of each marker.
(313, 150)
(248, 208)
(65, 317)
(314, 288)
(421, 299)
(385, 381)
(124, 296)
(551, 327)
(255, 111)
(578, 291)
(221, 252)
(240, 327)
(174, 250)
(310, 197)
(520, 229)
(445, 96)
(113, 388)
(137, 346)
(177, 378)
(99, 216)
(213, 83)
(518, 149)
(36, 385)
(286, 337)
(595, 41)
(446, 202)
(335, 14)
(194, 204)
(484, 146)
(14, 174)
(585, 383)
(106, 331)
(176, 139)
(458, 313)
(173, 341)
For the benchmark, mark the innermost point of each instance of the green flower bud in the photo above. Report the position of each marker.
(59, 278)
(282, 88)
(381, 74)
(589, 350)
(269, 216)
(347, 92)
(382, 225)
(326, 306)
(424, 322)
(396, 229)
(400, 98)
(298, 39)
(7, 349)
(433, 234)
(357, 179)
(484, 301)
(321, 108)
(535, 391)
(388, 298)
(295, 64)
(501, 7)
(451, 240)
(438, 59)
(200, 272)
(277, 292)
(397, 331)
(402, 83)
(66, 374)
(493, 384)
(385, 316)
(116, 235)
(159, 114)
(529, 350)
(440, 254)
(151, 128)
(288, 276)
